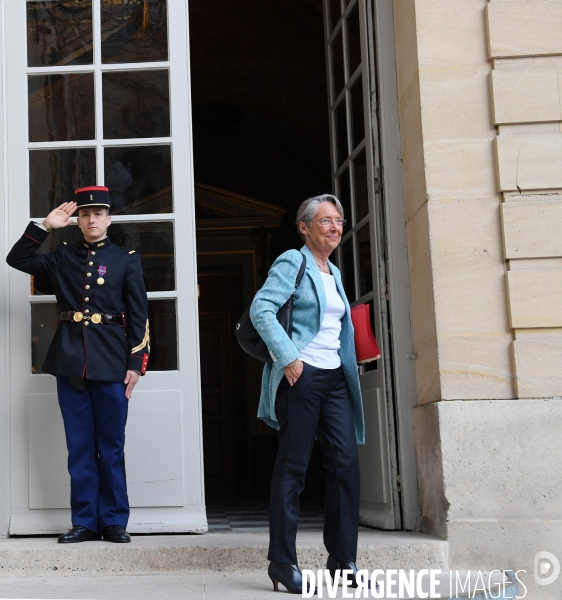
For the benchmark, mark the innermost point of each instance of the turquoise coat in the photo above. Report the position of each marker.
(308, 312)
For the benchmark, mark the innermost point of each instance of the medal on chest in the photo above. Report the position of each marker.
(101, 272)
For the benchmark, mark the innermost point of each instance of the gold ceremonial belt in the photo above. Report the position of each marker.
(78, 316)
(96, 318)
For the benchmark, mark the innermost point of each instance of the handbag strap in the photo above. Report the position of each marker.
(299, 276)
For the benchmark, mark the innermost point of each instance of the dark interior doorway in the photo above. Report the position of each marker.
(261, 146)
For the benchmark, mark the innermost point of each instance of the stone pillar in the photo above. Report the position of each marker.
(486, 315)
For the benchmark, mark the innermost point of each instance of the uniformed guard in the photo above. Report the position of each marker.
(100, 349)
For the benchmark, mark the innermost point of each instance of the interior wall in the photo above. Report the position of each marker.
(260, 114)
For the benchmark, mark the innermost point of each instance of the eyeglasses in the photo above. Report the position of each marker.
(328, 222)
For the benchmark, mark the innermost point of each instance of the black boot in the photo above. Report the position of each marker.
(289, 575)
(78, 534)
(334, 565)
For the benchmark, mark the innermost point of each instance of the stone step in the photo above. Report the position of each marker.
(211, 553)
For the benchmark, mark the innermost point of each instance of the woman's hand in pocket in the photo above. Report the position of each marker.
(293, 371)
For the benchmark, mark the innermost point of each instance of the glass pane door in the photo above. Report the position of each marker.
(99, 96)
(355, 174)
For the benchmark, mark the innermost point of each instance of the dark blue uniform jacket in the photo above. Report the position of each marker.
(103, 351)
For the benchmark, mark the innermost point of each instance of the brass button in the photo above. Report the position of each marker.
(89, 274)
(91, 264)
(86, 299)
(93, 253)
(86, 323)
(86, 311)
(87, 287)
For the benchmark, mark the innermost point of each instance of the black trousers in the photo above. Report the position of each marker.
(318, 405)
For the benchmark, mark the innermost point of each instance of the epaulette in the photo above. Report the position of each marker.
(132, 251)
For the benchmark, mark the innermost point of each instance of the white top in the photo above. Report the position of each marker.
(322, 352)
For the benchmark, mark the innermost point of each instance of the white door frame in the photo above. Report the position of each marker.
(382, 52)
(175, 391)
(379, 502)
(4, 374)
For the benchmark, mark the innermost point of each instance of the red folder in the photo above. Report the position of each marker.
(366, 347)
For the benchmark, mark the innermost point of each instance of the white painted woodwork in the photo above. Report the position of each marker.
(383, 54)
(164, 443)
(376, 502)
(153, 451)
(374, 511)
(154, 443)
(49, 481)
(4, 395)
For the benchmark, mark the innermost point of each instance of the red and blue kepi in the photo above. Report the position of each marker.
(92, 196)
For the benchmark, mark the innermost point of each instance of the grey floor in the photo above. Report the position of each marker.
(216, 586)
(255, 517)
(247, 586)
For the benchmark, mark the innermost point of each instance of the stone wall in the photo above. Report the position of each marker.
(480, 116)
(490, 481)
(457, 270)
(525, 47)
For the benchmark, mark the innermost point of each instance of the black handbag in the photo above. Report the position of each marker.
(246, 334)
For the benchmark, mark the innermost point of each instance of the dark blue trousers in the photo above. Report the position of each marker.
(318, 405)
(94, 423)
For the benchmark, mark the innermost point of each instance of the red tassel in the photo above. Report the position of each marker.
(366, 347)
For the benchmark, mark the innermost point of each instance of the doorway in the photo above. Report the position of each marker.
(272, 124)
(234, 234)
(261, 132)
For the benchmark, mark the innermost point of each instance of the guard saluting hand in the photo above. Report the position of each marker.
(99, 351)
(60, 217)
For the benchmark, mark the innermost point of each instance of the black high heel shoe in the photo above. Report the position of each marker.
(334, 565)
(289, 575)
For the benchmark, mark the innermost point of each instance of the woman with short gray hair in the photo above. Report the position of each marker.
(311, 390)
